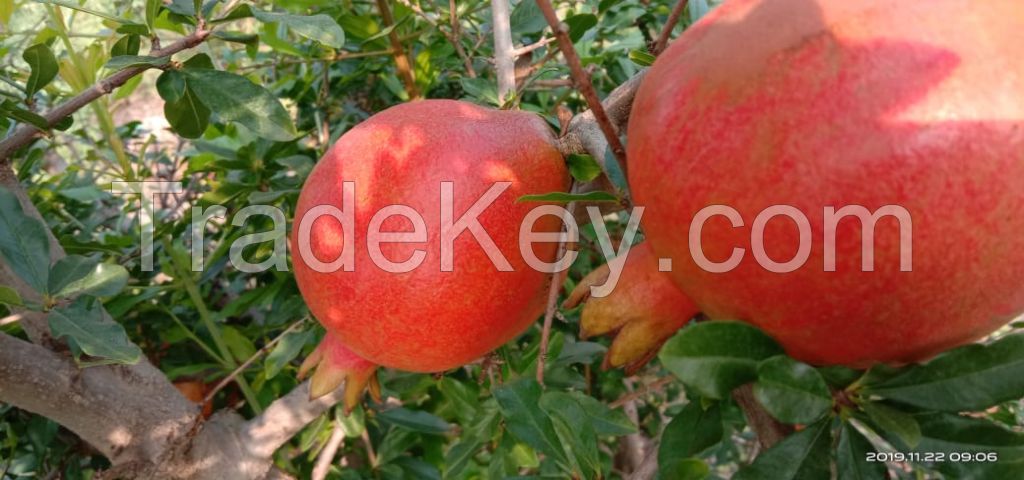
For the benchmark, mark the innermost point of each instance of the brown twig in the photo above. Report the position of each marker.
(533, 46)
(336, 58)
(401, 59)
(582, 79)
(456, 39)
(454, 36)
(666, 31)
(25, 133)
(649, 388)
(552, 306)
(266, 348)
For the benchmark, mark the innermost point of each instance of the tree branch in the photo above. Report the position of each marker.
(769, 430)
(326, 456)
(401, 59)
(128, 414)
(582, 79)
(504, 54)
(25, 133)
(666, 31)
(284, 418)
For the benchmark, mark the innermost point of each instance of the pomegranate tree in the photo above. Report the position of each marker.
(463, 288)
(826, 104)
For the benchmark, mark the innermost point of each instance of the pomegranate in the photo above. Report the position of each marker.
(453, 307)
(816, 104)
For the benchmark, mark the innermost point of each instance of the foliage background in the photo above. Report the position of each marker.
(486, 420)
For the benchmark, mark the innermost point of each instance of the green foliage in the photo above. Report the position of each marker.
(713, 358)
(791, 391)
(276, 83)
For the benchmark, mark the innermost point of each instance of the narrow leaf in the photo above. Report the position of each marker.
(560, 197)
(973, 377)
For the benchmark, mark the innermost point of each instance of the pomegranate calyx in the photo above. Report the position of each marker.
(335, 364)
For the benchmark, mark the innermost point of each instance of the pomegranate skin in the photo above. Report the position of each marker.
(819, 103)
(428, 320)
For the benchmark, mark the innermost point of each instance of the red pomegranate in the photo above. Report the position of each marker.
(813, 104)
(431, 317)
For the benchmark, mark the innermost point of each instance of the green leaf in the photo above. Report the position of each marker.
(185, 8)
(152, 9)
(24, 116)
(199, 60)
(791, 391)
(353, 424)
(126, 61)
(10, 296)
(583, 167)
(801, 456)
(78, 275)
(240, 11)
(1001, 449)
(127, 45)
(693, 430)
(683, 469)
(606, 421)
(852, 454)
(519, 403)
(239, 345)
(717, 356)
(579, 24)
(75, 6)
(891, 420)
(574, 429)
(463, 397)
(133, 29)
(319, 27)
(43, 67)
(839, 377)
(187, 115)
(973, 377)
(236, 99)
(171, 85)
(642, 58)
(561, 197)
(284, 352)
(415, 420)
(88, 331)
(24, 244)
(237, 37)
(527, 17)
